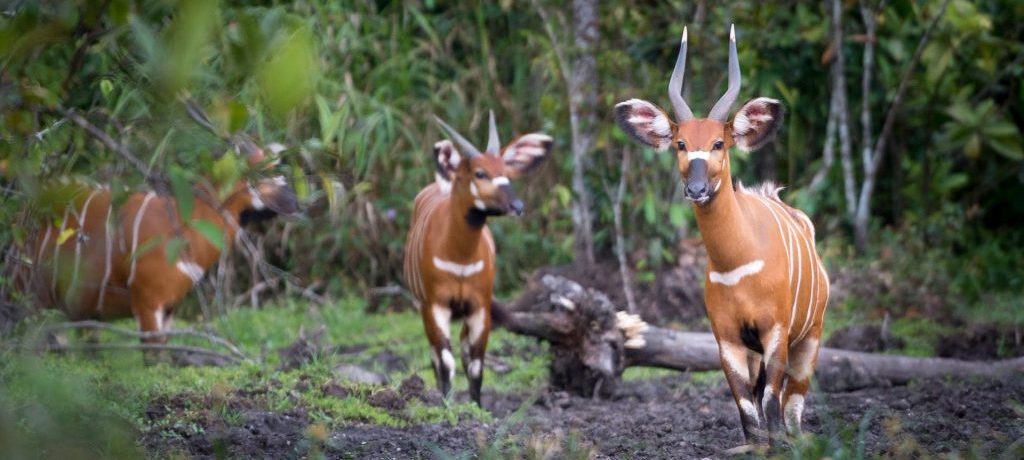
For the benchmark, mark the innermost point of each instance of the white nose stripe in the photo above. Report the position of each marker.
(698, 155)
(500, 180)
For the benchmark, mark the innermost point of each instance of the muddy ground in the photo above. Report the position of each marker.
(670, 417)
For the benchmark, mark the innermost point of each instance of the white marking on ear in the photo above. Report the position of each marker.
(794, 412)
(698, 155)
(661, 127)
(475, 323)
(442, 318)
(748, 408)
(500, 180)
(473, 190)
(460, 270)
(479, 205)
(449, 362)
(257, 203)
(135, 235)
(475, 368)
(740, 124)
(193, 271)
(732, 277)
(735, 357)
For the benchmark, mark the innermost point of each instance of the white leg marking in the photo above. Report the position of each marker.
(475, 368)
(475, 323)
(774, 338)
(769, 392)
(794, 412)
(732, 277)
(442, 318)
(748, 408)
(449, 362)
(193, 271)
(735, 358)
(801, 364)
(135, 234)
(160, 320)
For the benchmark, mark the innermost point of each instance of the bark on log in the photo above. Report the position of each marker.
(593, 342)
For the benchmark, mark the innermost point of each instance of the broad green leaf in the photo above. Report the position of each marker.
(650, 214)
(172, 250)
(1008, 147)
(182, 190)
(677, 215)
(211, 232)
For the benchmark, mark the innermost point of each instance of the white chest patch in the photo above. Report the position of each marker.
(732, 277)
(191, 270)
(460, 270)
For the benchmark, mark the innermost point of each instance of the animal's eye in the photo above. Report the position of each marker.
(718, 145)
(480, 174)
(682, 145)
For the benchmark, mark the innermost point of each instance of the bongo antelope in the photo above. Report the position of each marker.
(449, 252)
(105, 260)
(766, 288)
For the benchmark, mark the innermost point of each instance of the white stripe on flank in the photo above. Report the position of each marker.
(80, 239)
(698, 155)
(56, 251)
(135, 235)
(42, 247)
(462, 271)
(732, 277)
(193, 271)
(109, 251)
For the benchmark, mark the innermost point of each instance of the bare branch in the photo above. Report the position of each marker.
(237, 354)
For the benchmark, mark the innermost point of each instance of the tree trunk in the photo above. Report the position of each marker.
(593, 342)
(582, 119)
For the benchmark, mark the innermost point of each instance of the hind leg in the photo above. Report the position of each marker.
(776, 358)
(801, 366)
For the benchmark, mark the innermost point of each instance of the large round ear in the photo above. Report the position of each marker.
(526, 153)
(447, 160)
(756, 123)
(645, 122)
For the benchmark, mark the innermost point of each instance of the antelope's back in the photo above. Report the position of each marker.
(428, 201)
(793, 231)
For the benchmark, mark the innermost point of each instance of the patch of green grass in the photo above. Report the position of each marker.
(126, 387)
(646, 373)
(920, 336)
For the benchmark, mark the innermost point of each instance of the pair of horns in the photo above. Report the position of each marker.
(466, 147)
(720, 112)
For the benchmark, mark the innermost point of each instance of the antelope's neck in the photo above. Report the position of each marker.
(463, 227)
(727, 234)
(233, 206)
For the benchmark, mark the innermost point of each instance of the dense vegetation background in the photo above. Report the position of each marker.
(350, 87)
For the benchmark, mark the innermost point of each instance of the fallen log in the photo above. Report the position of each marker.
(593, 342)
